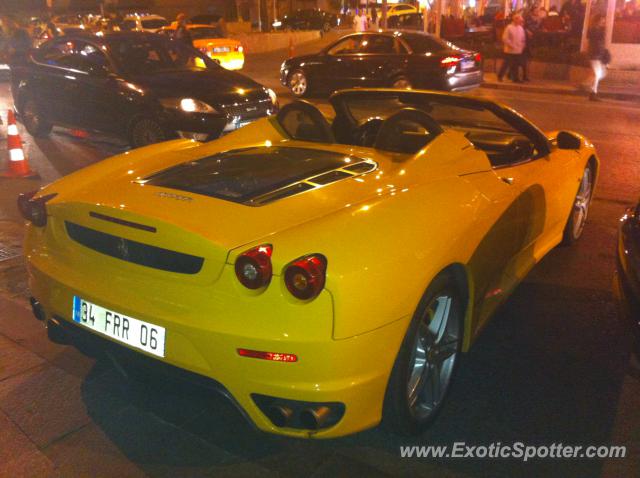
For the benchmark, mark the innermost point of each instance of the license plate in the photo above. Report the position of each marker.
(125, 329)
(467, 64)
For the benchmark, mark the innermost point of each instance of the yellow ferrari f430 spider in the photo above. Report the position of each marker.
(325, 272)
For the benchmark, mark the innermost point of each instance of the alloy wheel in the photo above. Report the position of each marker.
(582, 202)
(433, 357)
(298, 83)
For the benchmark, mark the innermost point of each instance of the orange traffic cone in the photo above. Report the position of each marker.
(18, 164)
(292, 51)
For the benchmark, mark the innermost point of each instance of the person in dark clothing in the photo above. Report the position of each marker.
(182, 32)
(597, 53)
(18, 43)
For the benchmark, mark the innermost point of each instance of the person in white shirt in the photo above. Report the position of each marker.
(360, 22)
(513, 41)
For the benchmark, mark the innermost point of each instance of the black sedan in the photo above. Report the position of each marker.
(384, 59)
(627, 282)
(308, 19)
(141, 86)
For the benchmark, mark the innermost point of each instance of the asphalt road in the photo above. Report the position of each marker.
(552, 367)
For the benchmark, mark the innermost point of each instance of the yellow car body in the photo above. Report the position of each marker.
(229, 53)
(386, 234)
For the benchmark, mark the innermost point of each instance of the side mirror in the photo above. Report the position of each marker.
(566, 140)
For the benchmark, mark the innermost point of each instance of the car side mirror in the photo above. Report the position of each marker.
(566, 140)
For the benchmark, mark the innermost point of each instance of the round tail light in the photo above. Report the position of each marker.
(253, 267)
(305, 277)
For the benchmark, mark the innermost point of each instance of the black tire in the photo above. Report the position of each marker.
(33, 120)
(145, 131)
(298, 83)
(405, 409)
(401, 82)
(580, 209)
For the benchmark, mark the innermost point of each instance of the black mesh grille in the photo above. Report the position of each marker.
(135, 252)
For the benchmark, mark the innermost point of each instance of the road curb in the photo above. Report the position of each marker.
(561, 91)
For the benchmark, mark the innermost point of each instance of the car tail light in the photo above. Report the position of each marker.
(478, 58)
(305, 277)
(450, 61)
(273, 356)
(253, 267)
(239, 48)
(34, 210)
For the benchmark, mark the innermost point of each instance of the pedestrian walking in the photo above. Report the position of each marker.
(513, 41)
(373, 22)
(598, 54)
(360, 21)
(182, 32)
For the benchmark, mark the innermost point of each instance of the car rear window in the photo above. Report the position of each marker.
(205, 33)
(427, 44)
(246, 174)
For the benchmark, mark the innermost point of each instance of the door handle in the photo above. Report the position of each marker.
(507, 180)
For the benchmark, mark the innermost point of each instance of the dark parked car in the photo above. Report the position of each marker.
(309, 19)
(141, 86)
(628, 274)
(384, 59)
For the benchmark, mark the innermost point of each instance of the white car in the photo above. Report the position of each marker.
(144, 23)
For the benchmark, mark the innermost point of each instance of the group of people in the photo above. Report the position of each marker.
(517, 36)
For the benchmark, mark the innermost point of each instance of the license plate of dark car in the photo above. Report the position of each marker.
(133, 332)
(467, 64)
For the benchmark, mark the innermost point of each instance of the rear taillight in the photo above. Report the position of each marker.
(239, 48)
(478, 58)
(305, 277)
(253, 267)
(450, 61)
(34, 210)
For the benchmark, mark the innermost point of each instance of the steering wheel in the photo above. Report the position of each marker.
(392, 136)
(367, 132)
(315, 129)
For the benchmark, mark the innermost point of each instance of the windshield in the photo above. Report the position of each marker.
(205, 33)
(448, 115)
(147, 55)
(154, 24)
(245, 174)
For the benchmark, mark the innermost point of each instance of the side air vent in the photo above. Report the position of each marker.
(135, 252)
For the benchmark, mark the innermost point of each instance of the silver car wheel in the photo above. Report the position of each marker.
(582, 202)
(433, 357)
(298, 83)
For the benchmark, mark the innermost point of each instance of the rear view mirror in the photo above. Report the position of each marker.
(567, 140)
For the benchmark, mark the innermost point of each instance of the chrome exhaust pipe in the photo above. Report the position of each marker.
(279, 415)
(315, 418)
(55, 332)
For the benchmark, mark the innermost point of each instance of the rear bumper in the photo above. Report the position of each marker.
(463, 81)
(327, 371)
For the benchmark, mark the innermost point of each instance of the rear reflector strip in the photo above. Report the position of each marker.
(273, 356)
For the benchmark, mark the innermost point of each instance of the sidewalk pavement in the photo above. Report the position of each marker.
(613, 92)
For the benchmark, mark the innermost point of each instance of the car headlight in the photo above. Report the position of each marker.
(273, 96)
(188, 105)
